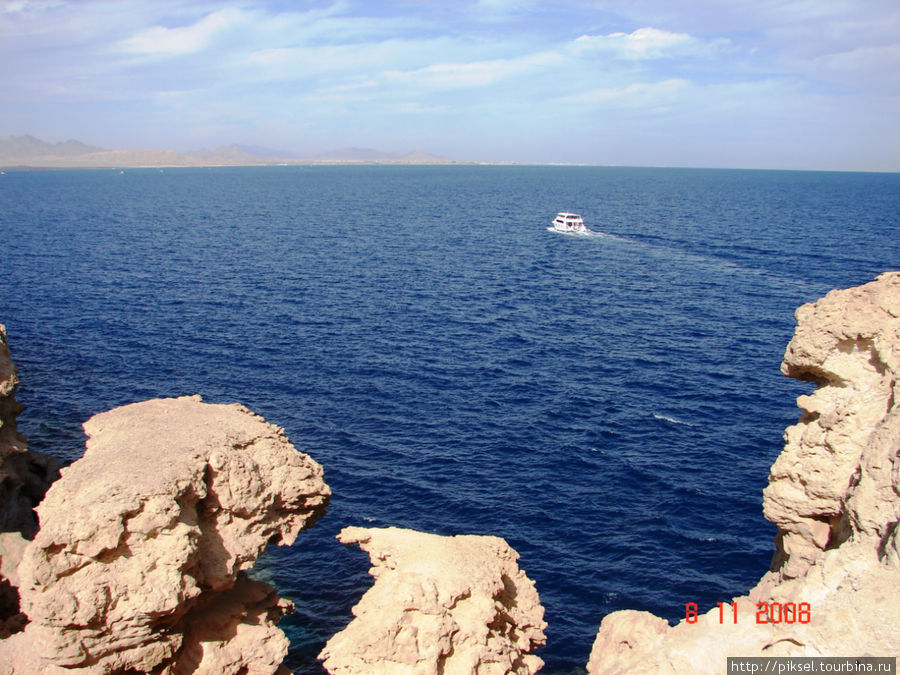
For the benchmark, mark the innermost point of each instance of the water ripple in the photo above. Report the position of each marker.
(610, 404)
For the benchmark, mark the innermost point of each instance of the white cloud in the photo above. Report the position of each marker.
(24, 6)
(502, 8)
(862, 67)
(649, 43)
(353, 65)
(473, 74)
(510, 69)
(856, 54)
(13, 7)
(183, 39)
(645, 95)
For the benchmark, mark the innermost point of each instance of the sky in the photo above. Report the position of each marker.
(795, 84)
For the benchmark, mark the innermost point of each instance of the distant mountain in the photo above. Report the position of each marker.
(28, 151)
(419, 157)
(29, 146)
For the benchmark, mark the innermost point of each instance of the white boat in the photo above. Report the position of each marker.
(567, 222)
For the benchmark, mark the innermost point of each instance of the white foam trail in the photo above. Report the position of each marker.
(589, 233)
(672, 420)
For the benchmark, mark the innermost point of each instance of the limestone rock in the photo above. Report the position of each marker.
(236, 632)
(833, 480)
(834, 493)
(146, 535)
(24, 475)
(451, 605)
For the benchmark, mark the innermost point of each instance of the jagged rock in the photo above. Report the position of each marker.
(142, 540)
(24, 475)
(834, 493)
(833, 479)
(449, 605)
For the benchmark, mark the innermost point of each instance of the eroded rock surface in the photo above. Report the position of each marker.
(146, 537)
(834, 493)
(833, 480)
(449, 605)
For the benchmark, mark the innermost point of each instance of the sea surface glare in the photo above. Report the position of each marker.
(609, 404)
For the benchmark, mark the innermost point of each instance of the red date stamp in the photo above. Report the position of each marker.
(766, 612)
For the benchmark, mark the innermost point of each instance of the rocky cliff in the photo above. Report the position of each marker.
(834, 493)
(439, 605)
(139, 564)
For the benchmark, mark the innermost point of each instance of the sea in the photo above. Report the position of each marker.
(609, 403)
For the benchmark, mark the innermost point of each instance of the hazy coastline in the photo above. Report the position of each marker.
(28, 152)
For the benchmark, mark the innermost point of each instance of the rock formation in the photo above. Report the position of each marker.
(139, 562)
(24, 478)
(12, 546)
(448, 605)
(834, 493)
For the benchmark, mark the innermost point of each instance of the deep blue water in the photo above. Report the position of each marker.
(608, 404)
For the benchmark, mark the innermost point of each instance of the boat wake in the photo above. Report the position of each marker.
(584, 233)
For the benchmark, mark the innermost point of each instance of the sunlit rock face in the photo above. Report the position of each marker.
(439, 605)
(139, 562)
(834, 493)
(833, 481)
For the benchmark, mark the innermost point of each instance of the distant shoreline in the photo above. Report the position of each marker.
(28, 152)
(14, 167)
(4, 166)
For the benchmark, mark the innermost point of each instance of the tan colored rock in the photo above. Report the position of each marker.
(450, 605)
(145, 535)
(834, 493)
(12, 547)
(236, 632)
(832, 481)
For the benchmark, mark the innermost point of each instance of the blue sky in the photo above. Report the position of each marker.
(724, 83)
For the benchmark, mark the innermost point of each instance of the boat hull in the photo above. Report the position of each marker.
(568, 230)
